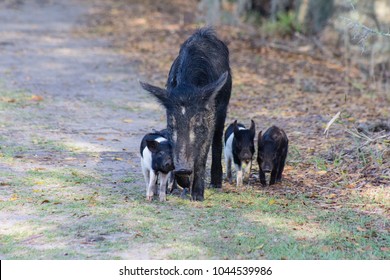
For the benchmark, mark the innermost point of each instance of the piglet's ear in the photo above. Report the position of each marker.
(210, 91)
(252, 129)
(160, 93)
(235, 127)
(152, 145)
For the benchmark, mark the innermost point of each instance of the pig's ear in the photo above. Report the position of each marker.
(210, 91)
(160, 93)
(252, 129)
(152, 145)
(259, 138)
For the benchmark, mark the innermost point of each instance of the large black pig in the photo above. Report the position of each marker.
(196, 99)
(271, 154)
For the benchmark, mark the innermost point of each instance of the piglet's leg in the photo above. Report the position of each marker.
(145, 171)
(239, 175)
(151, 186)
(247, 171)
(163, 186)
(281, 165)
(228, 162)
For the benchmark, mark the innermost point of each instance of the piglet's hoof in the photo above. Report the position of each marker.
(216, 186)
(149, 197)
(163, 198)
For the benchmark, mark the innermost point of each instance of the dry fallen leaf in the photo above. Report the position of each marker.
(332, 195)
(360, 229)
(127, 120)
(36, 98)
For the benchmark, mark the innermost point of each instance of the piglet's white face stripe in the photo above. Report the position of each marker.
(160, 139)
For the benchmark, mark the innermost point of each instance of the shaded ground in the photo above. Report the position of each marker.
(72, 115)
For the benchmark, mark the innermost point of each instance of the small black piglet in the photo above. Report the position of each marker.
(271, 154)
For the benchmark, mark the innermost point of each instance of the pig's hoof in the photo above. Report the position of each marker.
(216, 186)
(163, 198)
(149, 197)
(197, 197)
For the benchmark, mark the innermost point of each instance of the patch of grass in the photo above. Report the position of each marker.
(319, 162)
(14, 99)
(284, 25)
(294, 155)
(8, 152)
(248, 224)
(64, 176)
(129, 179)
(48, 144)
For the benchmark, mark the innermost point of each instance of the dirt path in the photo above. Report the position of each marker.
(86, 96)
(71, 112)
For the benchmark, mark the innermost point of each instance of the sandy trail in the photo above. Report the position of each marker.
(70, 104)
(88, 95)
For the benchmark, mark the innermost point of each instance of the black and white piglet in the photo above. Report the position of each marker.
(239, 149)
(271, 154)
(156, 161)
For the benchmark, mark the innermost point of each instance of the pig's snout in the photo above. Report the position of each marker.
(183, 172)
(267, 168)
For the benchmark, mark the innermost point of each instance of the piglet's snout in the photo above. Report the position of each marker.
(246, 156)
(168, 164)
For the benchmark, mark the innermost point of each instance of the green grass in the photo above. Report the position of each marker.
(81, 217)
(15, 99)
(284, 25)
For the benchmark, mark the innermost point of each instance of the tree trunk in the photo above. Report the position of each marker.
(313, 15)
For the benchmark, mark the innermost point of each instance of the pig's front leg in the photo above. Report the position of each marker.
(262, 178)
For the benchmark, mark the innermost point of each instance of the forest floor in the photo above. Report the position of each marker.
(72, 115)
